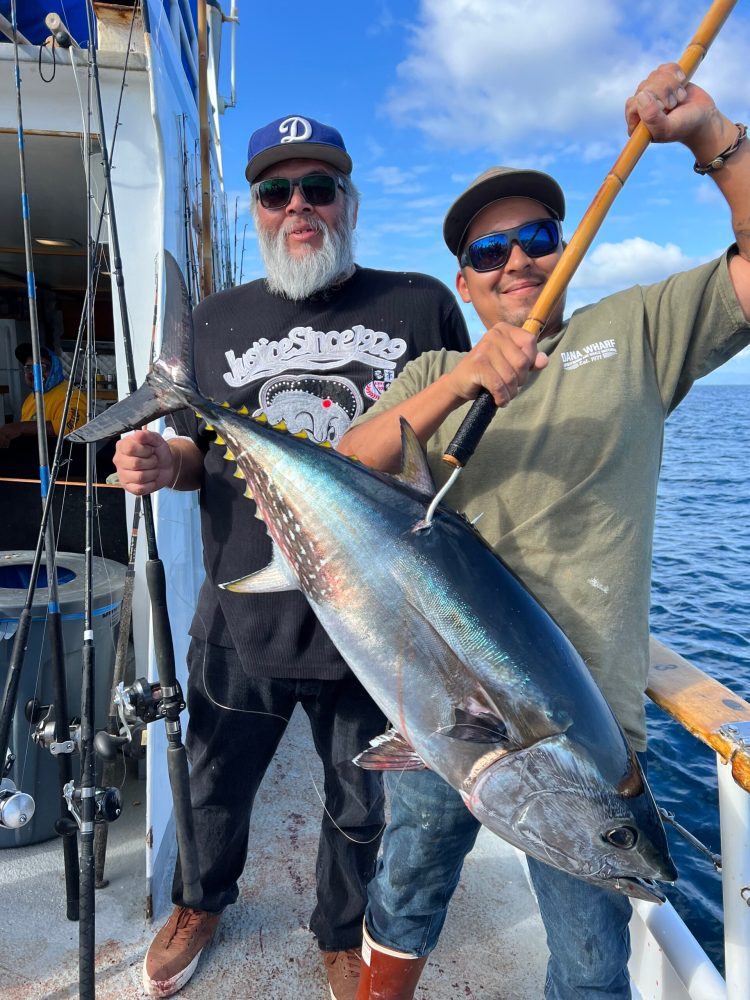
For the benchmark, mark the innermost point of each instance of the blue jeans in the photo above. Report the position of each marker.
(430, 833)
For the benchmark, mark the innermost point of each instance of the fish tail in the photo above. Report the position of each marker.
(170, 385)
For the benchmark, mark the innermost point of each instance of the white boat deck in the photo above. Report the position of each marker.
(492, 946)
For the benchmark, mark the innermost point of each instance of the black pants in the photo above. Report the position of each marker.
(230, 752)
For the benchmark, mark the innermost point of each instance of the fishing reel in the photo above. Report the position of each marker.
(16, 808)
(42, 718)
(136, 705)
(107, 806)
(141, 701)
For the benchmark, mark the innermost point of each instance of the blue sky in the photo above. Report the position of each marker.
(428, 93)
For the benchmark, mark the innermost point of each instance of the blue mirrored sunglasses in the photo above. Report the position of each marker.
(490, 252)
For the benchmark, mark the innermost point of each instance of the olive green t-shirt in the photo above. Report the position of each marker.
(566, 475)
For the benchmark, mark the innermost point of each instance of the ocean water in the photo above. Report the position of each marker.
(700, 606)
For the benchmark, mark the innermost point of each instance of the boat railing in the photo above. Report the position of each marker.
(721, 720)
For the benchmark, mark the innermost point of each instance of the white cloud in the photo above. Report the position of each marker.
(613, 266)
(394, 179)
(519, 76)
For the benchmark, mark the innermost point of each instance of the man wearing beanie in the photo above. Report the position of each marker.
(313, 344)
(566, 481)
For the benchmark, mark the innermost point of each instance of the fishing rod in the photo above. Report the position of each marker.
(186, 213)
(63, 743)
(483, 409)
(94, 833)
(108, 742)
(122, 733)
(171, 700)
(85, 813)
(51, 729)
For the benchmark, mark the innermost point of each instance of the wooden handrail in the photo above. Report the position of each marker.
(703, 706)
(61, 482)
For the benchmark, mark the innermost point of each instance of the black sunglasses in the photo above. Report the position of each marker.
(316, 189)
(536, 239)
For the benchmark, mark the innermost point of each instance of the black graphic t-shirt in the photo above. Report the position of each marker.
(316, 365)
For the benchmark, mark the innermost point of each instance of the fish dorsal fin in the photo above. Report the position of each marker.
(474, 723)
(390, 752)
(414, 468)
(275, 577)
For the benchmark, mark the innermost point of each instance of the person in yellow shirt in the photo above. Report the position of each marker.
(55, 389)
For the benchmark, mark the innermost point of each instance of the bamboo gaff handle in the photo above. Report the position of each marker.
(480, 415)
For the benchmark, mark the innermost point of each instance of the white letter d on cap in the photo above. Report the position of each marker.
(298, 128)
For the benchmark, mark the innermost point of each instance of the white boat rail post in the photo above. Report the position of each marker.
(734, 813)
(667, 962)
(234, 20)
(720, 719)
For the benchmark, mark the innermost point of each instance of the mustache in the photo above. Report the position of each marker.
(297, 225)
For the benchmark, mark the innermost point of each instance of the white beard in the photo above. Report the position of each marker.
(299, 277)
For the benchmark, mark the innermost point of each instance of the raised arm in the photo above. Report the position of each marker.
(674, 111)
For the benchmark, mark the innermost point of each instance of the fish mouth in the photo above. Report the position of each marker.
(638, 888)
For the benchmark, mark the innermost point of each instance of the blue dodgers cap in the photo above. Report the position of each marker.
(294, 137)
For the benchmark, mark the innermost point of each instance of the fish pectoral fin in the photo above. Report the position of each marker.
(275, 577)
(415, 470)
(477, 727)
(390, 752)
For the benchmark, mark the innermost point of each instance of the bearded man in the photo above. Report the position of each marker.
(313, 344)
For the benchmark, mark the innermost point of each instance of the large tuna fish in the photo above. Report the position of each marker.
(479, 682)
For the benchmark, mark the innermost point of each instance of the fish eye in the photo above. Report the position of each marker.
(622, 837)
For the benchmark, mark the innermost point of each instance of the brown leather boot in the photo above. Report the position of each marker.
(387, 974)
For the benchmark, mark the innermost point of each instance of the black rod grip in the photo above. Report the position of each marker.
(469, 434)
(12, 680)
(64, 762)
(177, 765)
(163, 646)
